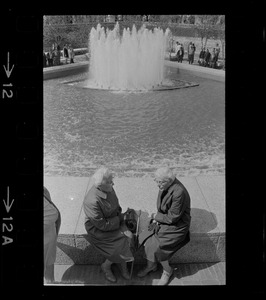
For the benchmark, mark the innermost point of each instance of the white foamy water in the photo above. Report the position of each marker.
(133, 61)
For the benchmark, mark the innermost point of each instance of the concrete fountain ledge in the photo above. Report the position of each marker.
(204, 72)
(65, 70)
(207, 210)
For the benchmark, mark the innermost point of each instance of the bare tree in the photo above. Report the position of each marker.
(206, 28)
(52, 20)
(221, 34)
(132, 18)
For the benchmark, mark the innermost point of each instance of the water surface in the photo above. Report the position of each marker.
(134, 133)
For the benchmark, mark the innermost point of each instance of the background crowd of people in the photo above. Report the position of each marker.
(179, 52)
(52, 57)
(206, 58)
(209, 59)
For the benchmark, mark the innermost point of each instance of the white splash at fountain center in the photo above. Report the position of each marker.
(133, 61)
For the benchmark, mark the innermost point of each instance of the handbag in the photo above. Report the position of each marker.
(130, 219)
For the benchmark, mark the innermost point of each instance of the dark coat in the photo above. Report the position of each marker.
(65, 52)
(47, 196)
(174, 220)
(202, 54)
(207, 56)
(102, 223)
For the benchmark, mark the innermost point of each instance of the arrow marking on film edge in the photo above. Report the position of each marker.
(8, 72)
(8, 207)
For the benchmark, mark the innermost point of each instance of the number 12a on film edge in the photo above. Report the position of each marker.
(7, 221)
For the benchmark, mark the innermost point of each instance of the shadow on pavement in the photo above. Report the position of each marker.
(202, 221)
(183, 271)
(78, 254)
(92, 275)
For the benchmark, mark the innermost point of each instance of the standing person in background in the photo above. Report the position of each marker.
(65, 52)
(50, 58)
(177, 50)
(217, 51)
(189, 52)
(52, 222)
(193, 53)
(55, 57)
(44, 60)
(207, 58)
(213, 59)
(181, 53)
(58, 54)
(71, 54)
(201, 56)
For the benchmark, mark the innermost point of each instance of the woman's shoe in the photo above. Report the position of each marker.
(124, 271)
(147, 270)
(165, 277)
(108, 273)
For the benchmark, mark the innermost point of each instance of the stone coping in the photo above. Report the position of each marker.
(65, 70)
(204, 72)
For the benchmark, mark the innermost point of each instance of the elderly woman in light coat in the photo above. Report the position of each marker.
(52, 222)
(169, 227)
(104, 223)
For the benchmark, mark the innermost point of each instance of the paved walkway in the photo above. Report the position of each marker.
(184, 274)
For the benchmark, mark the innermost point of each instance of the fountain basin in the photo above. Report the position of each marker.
(166, 85)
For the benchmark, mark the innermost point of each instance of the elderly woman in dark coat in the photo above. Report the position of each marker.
(169, 227)
(104, 223)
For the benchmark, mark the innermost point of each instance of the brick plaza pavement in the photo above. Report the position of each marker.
(184, 274)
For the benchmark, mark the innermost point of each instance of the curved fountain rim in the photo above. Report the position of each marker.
(163, 87)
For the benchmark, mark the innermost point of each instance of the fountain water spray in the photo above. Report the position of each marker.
(133, 61)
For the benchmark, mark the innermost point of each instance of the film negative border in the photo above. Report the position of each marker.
(21, 132)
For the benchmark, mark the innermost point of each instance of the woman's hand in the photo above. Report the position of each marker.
(153, 223)
(152, 218)
(154, 226)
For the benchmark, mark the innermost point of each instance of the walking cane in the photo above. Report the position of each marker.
(137, 232)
